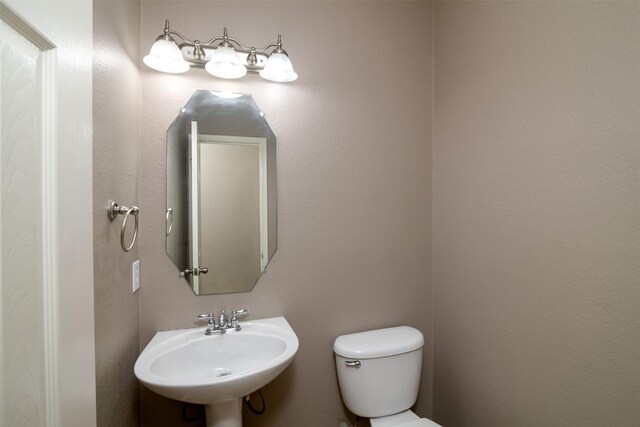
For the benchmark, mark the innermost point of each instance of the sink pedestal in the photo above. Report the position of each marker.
(224, 414)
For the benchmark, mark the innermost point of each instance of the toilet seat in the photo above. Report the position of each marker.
(422, 422)
(403, 419)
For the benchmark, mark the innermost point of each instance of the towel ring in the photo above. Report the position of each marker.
(115, 210)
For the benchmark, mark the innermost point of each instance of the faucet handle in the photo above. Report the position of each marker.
(234, 317)
(207, 316)
(211, 326)
(239, 312)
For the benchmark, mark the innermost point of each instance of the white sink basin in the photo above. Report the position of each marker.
(217, 370)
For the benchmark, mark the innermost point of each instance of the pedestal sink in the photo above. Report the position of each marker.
(217, 370)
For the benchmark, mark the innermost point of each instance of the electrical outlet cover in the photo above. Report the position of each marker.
(135, 275)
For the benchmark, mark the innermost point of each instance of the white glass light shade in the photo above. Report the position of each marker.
(226, 63)
(165, 56)
(278, 69)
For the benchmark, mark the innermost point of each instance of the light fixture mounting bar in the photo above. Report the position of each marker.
(188, 53)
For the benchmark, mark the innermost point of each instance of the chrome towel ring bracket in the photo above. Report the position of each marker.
(114, 210)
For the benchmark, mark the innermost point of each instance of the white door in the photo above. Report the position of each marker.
(47, 362)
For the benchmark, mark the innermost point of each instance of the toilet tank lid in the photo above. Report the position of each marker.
(379, 342)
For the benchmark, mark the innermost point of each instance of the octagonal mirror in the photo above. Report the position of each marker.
(221, 225)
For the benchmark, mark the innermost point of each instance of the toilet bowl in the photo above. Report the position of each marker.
(379, 375)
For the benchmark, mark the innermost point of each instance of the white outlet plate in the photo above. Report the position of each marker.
(135, 275)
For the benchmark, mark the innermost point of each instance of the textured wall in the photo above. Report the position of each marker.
(537, 263)
(354, 186)
(116, 118)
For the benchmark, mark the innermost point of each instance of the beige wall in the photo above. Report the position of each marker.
(354, 192)
(116, 136)
(536, 182)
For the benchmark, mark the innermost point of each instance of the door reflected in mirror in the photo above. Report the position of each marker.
(221, 228)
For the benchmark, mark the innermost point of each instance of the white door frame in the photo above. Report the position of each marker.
(194, 208)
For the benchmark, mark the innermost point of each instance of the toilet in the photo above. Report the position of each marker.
(379, 375)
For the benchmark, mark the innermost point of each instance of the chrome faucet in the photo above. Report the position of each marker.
(224, 324)
(222, 321)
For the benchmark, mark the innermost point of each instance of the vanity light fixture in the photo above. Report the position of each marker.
(228, 59)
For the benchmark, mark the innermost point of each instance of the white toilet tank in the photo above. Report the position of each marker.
(379, 371)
